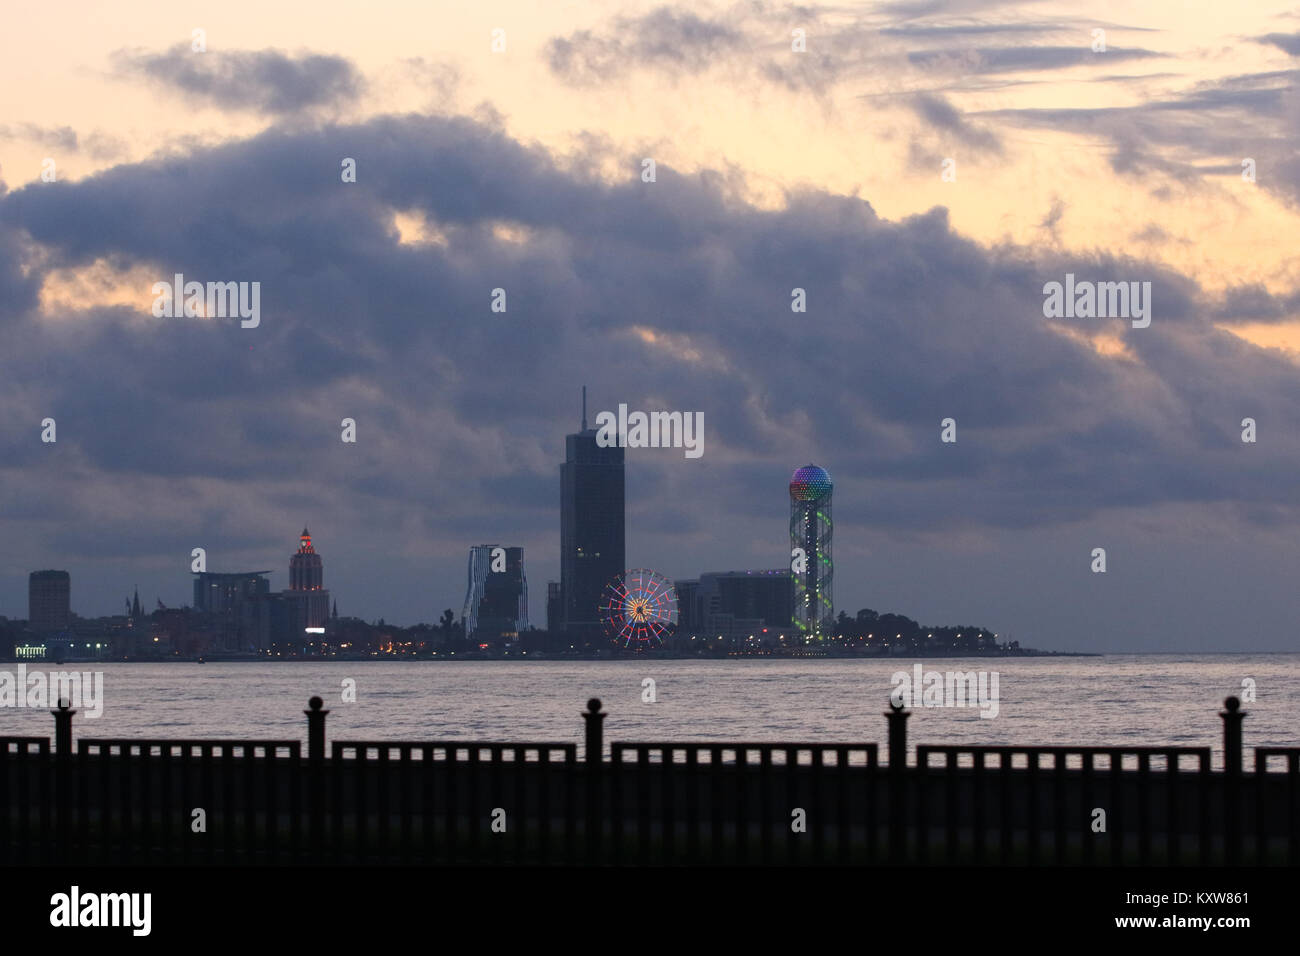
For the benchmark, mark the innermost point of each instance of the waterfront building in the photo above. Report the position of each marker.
(727, 602)
(592, 547)
(49, 601)
(496, 597)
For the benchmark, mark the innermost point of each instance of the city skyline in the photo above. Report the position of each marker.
(591, 507)
(298, 571)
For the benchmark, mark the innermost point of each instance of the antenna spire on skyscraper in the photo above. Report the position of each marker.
(584, 408)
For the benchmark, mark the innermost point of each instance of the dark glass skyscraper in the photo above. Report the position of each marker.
(48, 600)
(591, 524)
(554, 606)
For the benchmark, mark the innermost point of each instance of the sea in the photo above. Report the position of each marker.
(1115, 700)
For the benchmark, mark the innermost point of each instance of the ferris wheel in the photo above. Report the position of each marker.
(639, 608)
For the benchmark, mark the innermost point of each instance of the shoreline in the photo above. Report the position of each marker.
(526, 658)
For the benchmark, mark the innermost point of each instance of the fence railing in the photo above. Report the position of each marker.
(742, 802)
(449, 801)
(1017, 805)
(261, 802)
(1277, 795)
(148, 801)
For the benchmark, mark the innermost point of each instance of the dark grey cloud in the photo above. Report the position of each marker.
(1018, 59)
(919, 9)
(1154, 232)
(1052, 221)
(980, 28)
(679, 41)
(940, 115)
(1290, 42)
(263, 81)
(229, 438)
(1254, 303)
(1184, 136)
(748, 40)
(55, 137)
(752, 41)
(97, 144)
(913, 30)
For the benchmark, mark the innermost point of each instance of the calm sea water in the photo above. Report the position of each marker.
(1139, 699)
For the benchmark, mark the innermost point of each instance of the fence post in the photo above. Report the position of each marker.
(316, 776)
(63, 730)
(595, 721)
(1232, 715)
(315, 730)
(594, 758)
(897, 720)
(63, 777)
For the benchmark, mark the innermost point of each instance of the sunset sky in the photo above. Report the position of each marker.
(776, 169)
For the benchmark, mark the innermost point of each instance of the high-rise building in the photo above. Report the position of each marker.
(308, 603)
(810, 551)
(755, 598)
(554, 606)
(305, 570)
(591, 524)
(690, 611)
(49, 600)
(766, 595)
(219, 593)
(496, 600)
(237, 605)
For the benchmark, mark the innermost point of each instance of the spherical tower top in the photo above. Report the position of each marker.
(810, 483)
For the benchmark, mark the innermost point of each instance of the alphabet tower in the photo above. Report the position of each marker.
(810, 551)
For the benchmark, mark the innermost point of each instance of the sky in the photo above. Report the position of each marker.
(920, 169)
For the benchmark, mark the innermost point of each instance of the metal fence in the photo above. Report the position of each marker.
(265, 802)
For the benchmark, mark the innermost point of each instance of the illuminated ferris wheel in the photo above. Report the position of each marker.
(639, 608)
